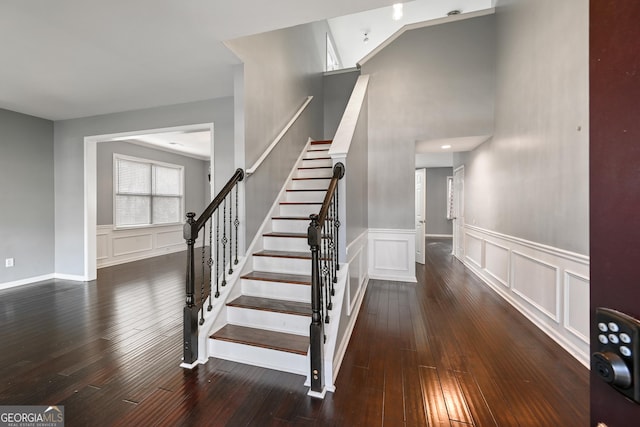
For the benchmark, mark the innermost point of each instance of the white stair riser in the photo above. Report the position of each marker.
(290, 225)
(258, 356)
(305, 196)
(313, 173)
(269, 320)
(314, 163)
(302, 184)
(276, 290)
(299, 210)
(314, 154)
(294, 244)
(282, 265)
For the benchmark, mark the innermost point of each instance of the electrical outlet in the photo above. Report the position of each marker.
(8, 262)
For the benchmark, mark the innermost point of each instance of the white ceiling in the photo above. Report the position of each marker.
(74, 58)
(193, 143)
(348, 31)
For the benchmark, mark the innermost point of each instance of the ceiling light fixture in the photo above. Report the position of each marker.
(454, 12)
(397, 12)
(366, 37)
(445, 147)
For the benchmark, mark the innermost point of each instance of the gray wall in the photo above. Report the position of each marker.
(195, 174)
(433, 82)
(280, 69)
(26, 203)
(337, 88)
(357, 176)
(436, 210)
(531, 179)
(69, 162)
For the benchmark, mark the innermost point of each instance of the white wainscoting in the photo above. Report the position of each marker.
(550, 286)
(392, 254)
(132, 244)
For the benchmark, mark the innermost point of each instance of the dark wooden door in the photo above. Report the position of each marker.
(614, 181)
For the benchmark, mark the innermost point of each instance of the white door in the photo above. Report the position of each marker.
(458, 213)
(421, 197)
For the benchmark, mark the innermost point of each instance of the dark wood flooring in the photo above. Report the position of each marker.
(444, 352)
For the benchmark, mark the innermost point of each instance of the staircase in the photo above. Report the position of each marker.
(268, 324)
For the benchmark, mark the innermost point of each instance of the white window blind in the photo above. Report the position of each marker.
(147, 193)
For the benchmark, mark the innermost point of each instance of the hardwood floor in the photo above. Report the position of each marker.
(444, 352)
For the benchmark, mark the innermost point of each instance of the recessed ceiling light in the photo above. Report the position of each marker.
(454, 12)
(445, 147)
(175, 143)
(397, 12)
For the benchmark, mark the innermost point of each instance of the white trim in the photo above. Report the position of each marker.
(397, 248)
(341, 71)
(573, 256)
(520, 292)
(438, 236)
(90, 185)
(70, 277)
(27, 281)
(423, 24)
(347, 127)
(567, 304)
(277, 139)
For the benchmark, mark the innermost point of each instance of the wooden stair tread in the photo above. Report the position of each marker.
(307, 189)
(317, 158)
(322, 142)
(316, 167)
(292, 218)
(291, 235)
(296, 279)
(312, 177)
(284, 254)
(301, 203)
(275, 305)
(284, 234)
(317, 150)
(290, 343)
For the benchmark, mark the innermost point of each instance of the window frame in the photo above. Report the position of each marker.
(151, 195)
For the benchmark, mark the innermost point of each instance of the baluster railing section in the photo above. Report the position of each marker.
(322, 236)
(211, 252)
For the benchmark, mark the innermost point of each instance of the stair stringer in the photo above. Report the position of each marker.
(217, 318)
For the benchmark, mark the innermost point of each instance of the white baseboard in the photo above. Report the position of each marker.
(27, 281)
(71, 277)
(439, 236)
(549, 286)
(392, 254)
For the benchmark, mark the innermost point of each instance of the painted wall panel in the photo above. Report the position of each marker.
(27, 203)
(536, 282)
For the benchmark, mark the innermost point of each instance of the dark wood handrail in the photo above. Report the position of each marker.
(338, 173)
(237, 176)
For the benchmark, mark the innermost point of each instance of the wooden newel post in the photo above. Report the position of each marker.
(316, 330)
(190, 335)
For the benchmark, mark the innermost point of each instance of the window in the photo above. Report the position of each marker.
(147, 192)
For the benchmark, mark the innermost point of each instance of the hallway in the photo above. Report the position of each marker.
(446, 351)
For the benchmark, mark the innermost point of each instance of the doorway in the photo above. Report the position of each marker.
(90, 184)
(458, 213)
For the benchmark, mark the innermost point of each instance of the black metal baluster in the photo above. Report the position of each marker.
(224, 242)
(236, 223)
(204, 244)
(210, 263)
(230, 233)
(217, 253)
(316, 329)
